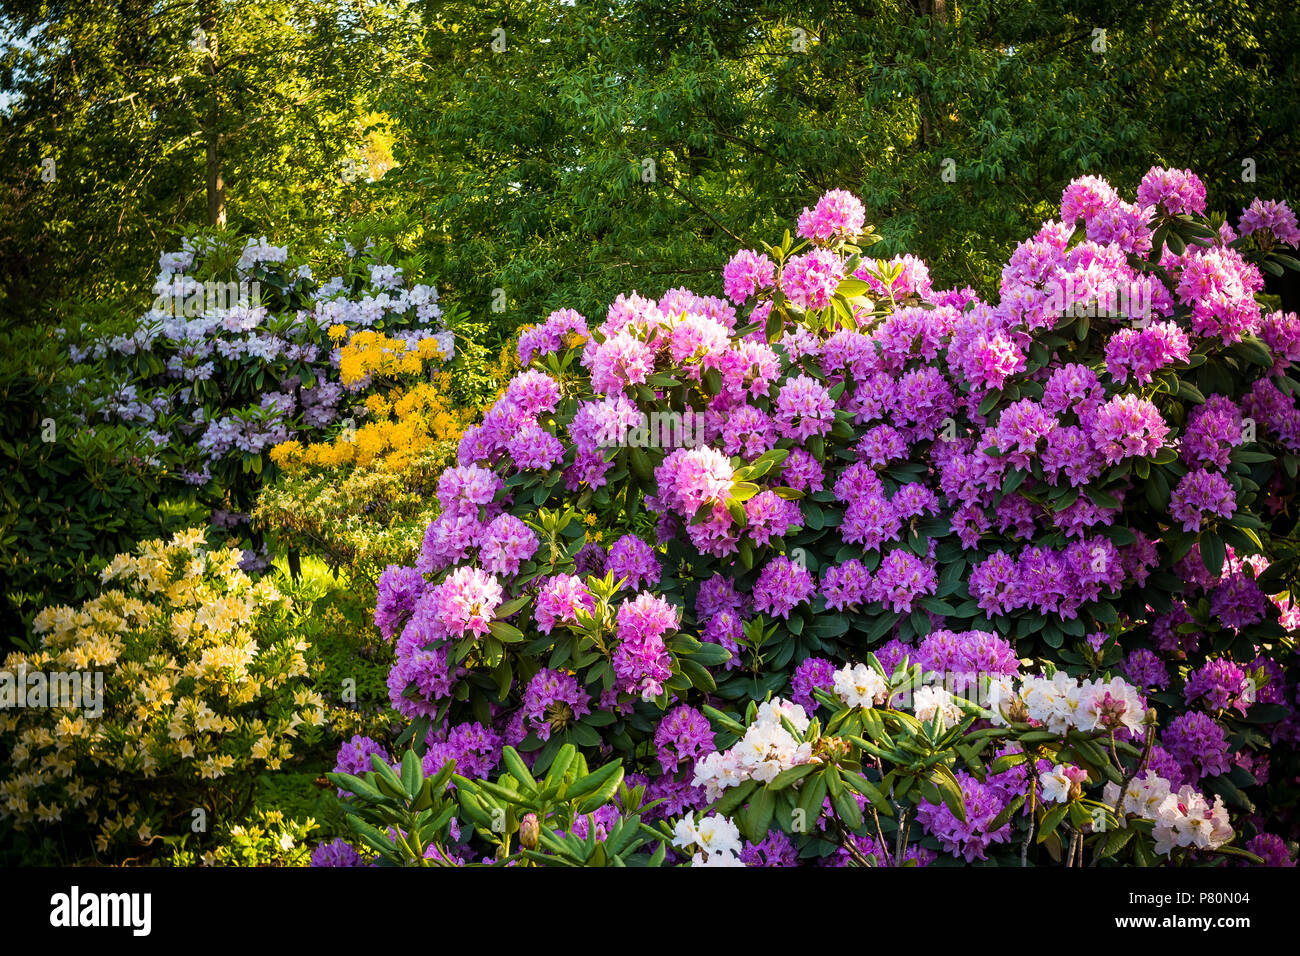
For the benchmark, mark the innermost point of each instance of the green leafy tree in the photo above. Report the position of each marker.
(555, 151)
(122, 125)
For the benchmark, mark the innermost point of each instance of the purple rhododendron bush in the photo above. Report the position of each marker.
(843, 569)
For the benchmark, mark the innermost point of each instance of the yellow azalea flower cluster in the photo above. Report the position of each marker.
(376, 355)
(402, 422)
(197, 678)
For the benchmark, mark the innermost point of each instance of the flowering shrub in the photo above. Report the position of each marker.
(202, 686)
(1076, 488)
(269, 838)
(240, 352)
(411, 417)
(363, 498)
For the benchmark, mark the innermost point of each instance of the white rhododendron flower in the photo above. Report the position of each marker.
(716, 837)
(1107, 705)
(1051, 701)
(717, 771)
(998, 694)
(1058, 782)
(1055, 785)
(766, 749)
(1186, 818)
(860, 686)
(772, 711)
(1142, 796)
(930, 701)
(1060, 703)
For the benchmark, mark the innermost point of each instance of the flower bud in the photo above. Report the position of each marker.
(529, 831)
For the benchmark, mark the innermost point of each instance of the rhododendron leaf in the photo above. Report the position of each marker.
(711, 655)
(775, 324)
(918, 544)
(881, 626)
(412, 774)
(937, 606)
(699, 677)
(512, 606)
(1006, 762)
(1142, 852)
(1254, 351)
(828, 625)
(1116, 840)
(354, 784)
(919, 623)
(790, 775)
(733, 797)
(1013, 480)
(679, 683)
(757, 816)
(850, 287)
(1051, 820)
(1243, 854)
(583, 736)
(1102, 499)
(861, 785)
(503, 632)
(1212, 552)
(847, 808)
(547, 753)
(1250, 457)
(990, 400)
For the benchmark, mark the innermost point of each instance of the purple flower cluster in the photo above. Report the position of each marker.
(475, 748)
(552, 701)
(560, 327)
(1218, 685)
(683, 734)
(967, 653)
(969, 838)
(641, 662)
(782, 586)
(1198, 744)
(633, 559)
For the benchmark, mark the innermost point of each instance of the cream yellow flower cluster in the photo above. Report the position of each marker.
(202, 680)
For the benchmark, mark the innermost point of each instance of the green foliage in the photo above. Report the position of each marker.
(526, 169)
(125, 122)
(71, 496)
(406, 817)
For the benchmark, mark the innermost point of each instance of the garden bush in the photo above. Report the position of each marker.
(72, 495)
(362, 499)
(240, 352)
(201, 683)
(957, 580)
